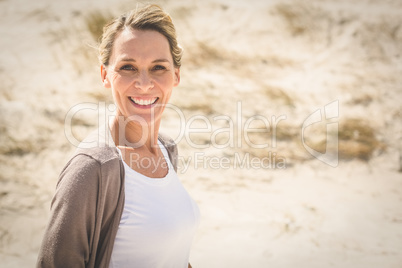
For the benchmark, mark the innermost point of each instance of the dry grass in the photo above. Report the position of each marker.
(203, 108)
(101, 95)
(364, 99)
(286, 132)
(381, 40)
(12, 146)
(202, 53)
(301, 18)
(283, 142)
(95, 21)
(74, 42)
(278, 94)
(280, 132)
(357, 139)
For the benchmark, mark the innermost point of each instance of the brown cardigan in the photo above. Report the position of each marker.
(87, 206)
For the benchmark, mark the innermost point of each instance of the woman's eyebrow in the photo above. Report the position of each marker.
(160, 60)
(127, 59)
(154, 61)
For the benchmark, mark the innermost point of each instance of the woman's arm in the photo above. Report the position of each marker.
(68, 236)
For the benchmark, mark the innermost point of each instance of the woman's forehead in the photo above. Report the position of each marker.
(139, 44)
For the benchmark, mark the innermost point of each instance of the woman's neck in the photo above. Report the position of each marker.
(133, 134)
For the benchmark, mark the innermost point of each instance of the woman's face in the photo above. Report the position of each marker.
(141, 75)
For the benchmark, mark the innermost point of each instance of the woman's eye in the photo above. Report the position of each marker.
(127, 67)
(159, 67)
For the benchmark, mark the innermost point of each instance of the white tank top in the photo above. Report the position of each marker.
(158, 222)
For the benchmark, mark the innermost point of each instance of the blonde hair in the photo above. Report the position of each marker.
(150, 17)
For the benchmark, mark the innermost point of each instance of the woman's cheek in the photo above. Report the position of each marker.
(122, 82)
(164, 80)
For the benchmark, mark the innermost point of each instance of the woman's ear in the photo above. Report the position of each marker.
(104, 77)
(176, 77)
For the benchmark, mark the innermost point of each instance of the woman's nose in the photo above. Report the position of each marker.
(144, 81)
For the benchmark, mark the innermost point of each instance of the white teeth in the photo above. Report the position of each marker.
(142, 101)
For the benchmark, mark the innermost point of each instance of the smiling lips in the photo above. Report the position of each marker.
(144, 101)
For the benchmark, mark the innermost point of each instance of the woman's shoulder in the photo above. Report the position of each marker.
(94, 158)
(101, 155)
(98, 145)
(90, 165)
(168, 143)
(166, 140)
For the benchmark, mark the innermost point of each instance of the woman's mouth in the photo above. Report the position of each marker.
(144, 102)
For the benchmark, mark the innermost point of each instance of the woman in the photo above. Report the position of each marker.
(120, 203)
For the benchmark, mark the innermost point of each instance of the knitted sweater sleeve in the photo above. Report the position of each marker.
(70, 231)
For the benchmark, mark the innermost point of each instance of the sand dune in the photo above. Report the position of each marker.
(262, 66)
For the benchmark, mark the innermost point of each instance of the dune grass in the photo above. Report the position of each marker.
(357, 139)
(95, 21)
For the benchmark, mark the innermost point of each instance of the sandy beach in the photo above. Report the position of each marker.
(288, 121)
